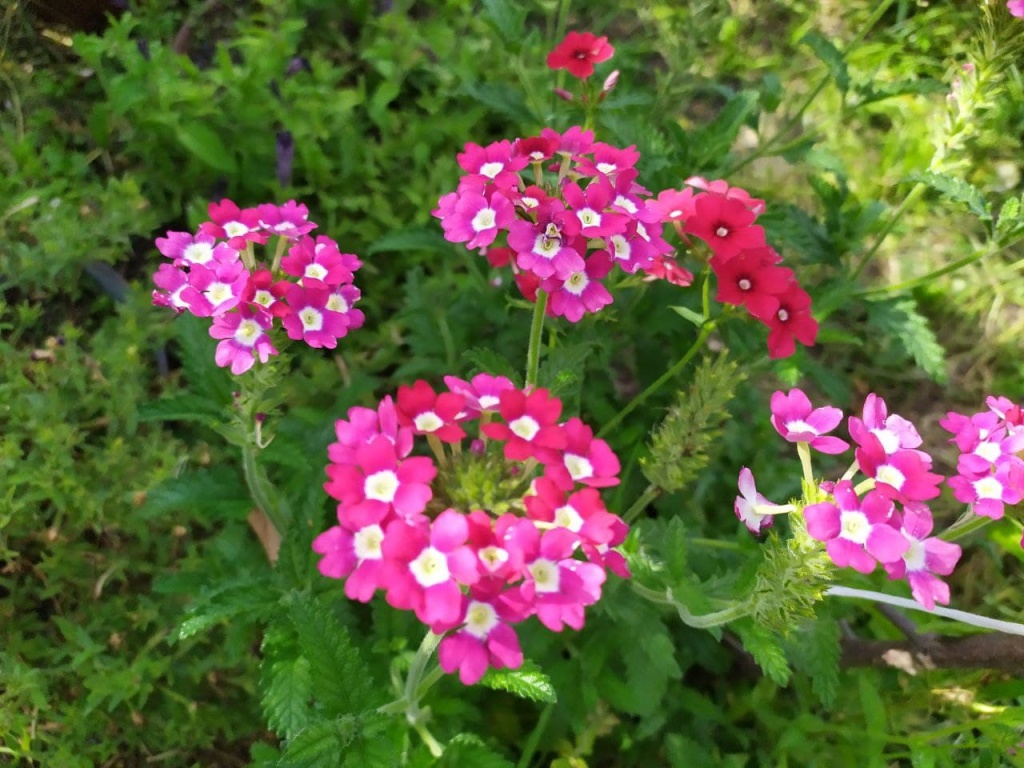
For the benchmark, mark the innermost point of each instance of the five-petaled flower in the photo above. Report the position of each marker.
(579, 52)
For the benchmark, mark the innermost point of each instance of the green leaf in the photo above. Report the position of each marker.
(286, 686)
(831, 56)
(650, 667)
(215, 494)
(245, 598)
(761, 643)
(786, 225)
(503, 99)
(203, 142)
(712, 141)
(507, 18)
(1010, 222)
(956, 190)
(527, 682)
(488, 361)
(870, 94)
(205, 378)
(469, 751)
(694, 317)
(411, 239)
(320, 745)
(343, 684)
(900, 321)
(562, 370)
(814, 650)
(183, 407)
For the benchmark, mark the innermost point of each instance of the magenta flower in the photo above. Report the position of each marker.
(485, 638)
(752, 279)
(531, 426)
(187, 249)
(423, 569)
(290, 220)
(482, 393)
(429, 413)
(925, 557)
(990, 492)
(722, 188)
(790, 323)
(666, 268)
(171, 281)
(579, 52)
(725, 224)
(495, 164)
(475, 220)
(856, 532)
(215, 288)
(893, 431)
(356, 556)
(798, 421)
(591, 208)
(307, 260)
(586, 459)
(362, 426)
(1016, 8)
(550, 246)
(310, 318)
(903, 476)
(581, 292)
(749, 501)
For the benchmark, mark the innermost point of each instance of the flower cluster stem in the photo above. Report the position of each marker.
(417, 683)
(704, 621)
(536, 330)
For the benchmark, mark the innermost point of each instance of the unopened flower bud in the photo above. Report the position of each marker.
(477, 447)
(563, 94)
(610, 82)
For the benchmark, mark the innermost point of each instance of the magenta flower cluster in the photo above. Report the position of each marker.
(569, 210)
(540, 546)
(886, 519)
(307, 284)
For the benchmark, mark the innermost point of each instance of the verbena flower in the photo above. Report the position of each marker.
(579, 52)
(482, 538)
(798, 421)
(215, 273)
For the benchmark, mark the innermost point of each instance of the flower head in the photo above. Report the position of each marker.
(798, 421)
(579, 52)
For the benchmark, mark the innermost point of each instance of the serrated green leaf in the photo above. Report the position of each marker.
(957, 190)
(412, 239)
(318, 746)
(694, 317)
(343, 684)
(286, 687)
(506, 18)
(561, 371)
(650, 667)
(215, 494)
(245, 599)
(527, 682)
(1010, 222)
(900, 321)
(203, 142)
(764, 646)
(469, 751)
(814, 650)
(786, 225)
(204, 377)
(183, 407)
(831, 56)
(503, 99)
(488, 361)
(870, 94)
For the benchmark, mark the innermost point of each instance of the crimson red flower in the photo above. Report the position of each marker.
(752, 280)
(579, 52)
(725, 224)
(531, 425)
(790, 323)
(429, 413)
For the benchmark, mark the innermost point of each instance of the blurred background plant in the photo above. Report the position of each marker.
(885, 137)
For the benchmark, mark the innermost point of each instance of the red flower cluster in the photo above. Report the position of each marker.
(579, 52)
(484, 537)
(215, 273)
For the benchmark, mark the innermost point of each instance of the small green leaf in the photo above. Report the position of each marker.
(467, 750)
(203, 142)
(761, 643)
(503, 99)
(711, 143)
(246, 598)
(183, 407)
(694, 317)
(831, 56)
(488, 361)
(900, 321)
(527, 682)
(411, 239)
(507, 18)
(956, 190)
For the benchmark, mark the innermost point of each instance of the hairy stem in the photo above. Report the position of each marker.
(536, 330)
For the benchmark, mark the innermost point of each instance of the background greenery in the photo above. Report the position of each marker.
(117, 524)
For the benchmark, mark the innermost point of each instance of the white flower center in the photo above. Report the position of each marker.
(381, 486)
(988, 488)
(248, 332)
(546, 246)
(677, 213)
(890, 440)
(606, 168)
(366, 543)
(490, 170)
(198, 253)
(722, 232)
(428, 421)
(989, 451)
(487, 402)
(336, 303)
(625, 204)
(430, 568)
(576, 283)
(890, 476)
(218, 292)
(263, 297)
(312, 320)
(915, 556)
(235, 229)
(315, 271)
(578, 466)
(493, 557)
(545, 575)
(783, 315)
(481, 618)
(589, 217)
(798, 425)
(642, 231)
(567, 517)
(483, 220)
(525, 427)
(620, 247)
(855, 527)
(529, 202)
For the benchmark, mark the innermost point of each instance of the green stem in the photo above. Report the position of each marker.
(968, 523)
(650, 494)
(705, 621)
(416, 686)
(912, 197)
(536, 330)
(262, 490)
(534, 738)
(803, 450)
(705, 331)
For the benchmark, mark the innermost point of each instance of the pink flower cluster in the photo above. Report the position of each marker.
(307, 284)
(563, 210)
(883, 520)
(537, 542)
(990, 471)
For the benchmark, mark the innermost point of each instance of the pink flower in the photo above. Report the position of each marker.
(187, 249)
(485, 638)
(172, 281)
(720, 187)
(531, 426)
(423, 568)
(668, 269)
(856, 531)
(356, 556)
(749, 501)
(591, 208)
(925, 557)
(310, 260)
(215, 288)
(674, 205)
(245, 338)
(582, 513)
(903, 475)
(893, 432)
(228, 220)
(575, 142)
(991, 491)
(310, 319)
(475, 220)
(579, 52)
(1016, 8)
(751, 279)
(798, 421)
(608, 160)
(586, 459)
(482, 393)
(550, 246)
(429, 413)
(263, 292)
(790, 323)
(582, 291)
(494, 164)
(725, 224)
(362, 426)
(290, 220)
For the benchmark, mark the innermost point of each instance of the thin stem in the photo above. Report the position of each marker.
(651, 492)
(803, 450)
(973, 619)
(704, 621)
(705, 331)
(536, 330)
(968, 523)
(534, 738)
(262, 490)
(912, 196)
(416, 685)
